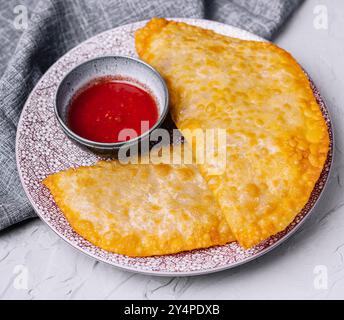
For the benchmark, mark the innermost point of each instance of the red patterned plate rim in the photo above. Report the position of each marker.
(42, 149)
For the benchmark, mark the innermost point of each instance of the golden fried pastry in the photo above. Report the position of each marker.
(277, 139)
(140, 209)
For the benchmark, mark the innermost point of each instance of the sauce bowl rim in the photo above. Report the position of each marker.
(112, 145)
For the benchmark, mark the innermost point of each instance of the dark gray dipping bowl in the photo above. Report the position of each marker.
(115, 67)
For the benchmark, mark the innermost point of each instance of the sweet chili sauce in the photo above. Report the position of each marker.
(102, 109)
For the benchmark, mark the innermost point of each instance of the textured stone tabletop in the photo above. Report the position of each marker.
(36, 264)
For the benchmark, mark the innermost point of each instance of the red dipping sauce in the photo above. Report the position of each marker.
(101, 110)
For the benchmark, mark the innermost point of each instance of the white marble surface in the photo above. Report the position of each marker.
(54, 270)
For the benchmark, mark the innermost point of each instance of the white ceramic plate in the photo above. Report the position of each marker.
(42, 149)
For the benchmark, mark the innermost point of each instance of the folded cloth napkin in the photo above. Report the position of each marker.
(55, 26)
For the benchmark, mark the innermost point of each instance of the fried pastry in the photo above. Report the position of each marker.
(140, 209)
(277, 139)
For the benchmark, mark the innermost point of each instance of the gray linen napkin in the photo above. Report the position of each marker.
(55, 26)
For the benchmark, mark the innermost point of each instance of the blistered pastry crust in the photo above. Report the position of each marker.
(140, 209)
(277, 139)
